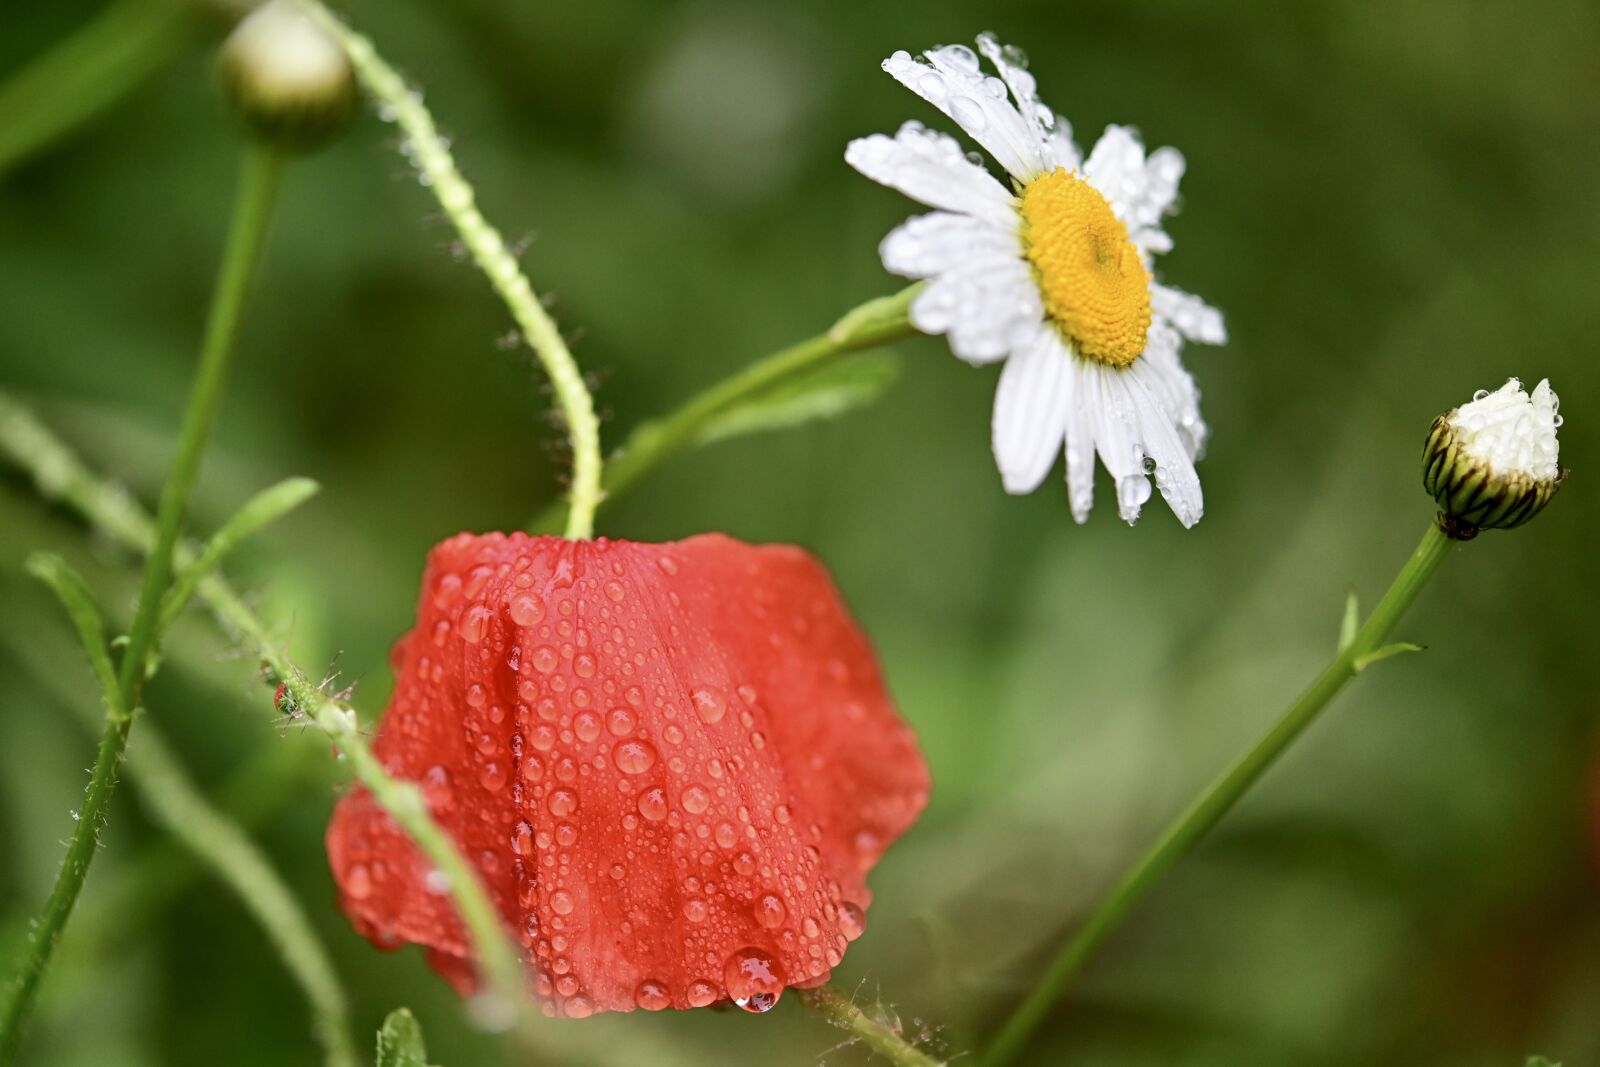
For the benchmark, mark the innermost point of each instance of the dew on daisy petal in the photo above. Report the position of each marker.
(1067, 250)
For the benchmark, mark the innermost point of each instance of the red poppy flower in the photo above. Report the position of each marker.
(672, 764)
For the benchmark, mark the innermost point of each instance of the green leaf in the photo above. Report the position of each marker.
(1351, 621)
(265, 507)
(825, 393)
(74, 595)
(400, 1041)
(1377, 654)
(1540, 1061)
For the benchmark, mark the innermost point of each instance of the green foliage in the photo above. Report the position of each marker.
(400, 1041)
(1540, 1061)
(74, 595)
(1379, 654)
(261, 510)
(825, 393)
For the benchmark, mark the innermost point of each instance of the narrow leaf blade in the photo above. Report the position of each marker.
(74, 595)
(824, 393)
(264, 508)
(1378, 654)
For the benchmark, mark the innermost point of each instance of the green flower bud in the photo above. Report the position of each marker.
(1493, 463)
(289, 81)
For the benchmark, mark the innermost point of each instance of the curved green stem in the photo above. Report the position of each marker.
(251, 212)
(60, 475)
(223, 846)
(1217, 800)
(97, 65)
(886, 1041)
(877, 322)
(431, 156)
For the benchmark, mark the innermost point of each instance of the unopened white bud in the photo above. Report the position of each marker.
(289, 80)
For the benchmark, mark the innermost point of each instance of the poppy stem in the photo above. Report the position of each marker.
(61, 476)
(430, 154)
(252, 210)
(880, 321)
(1357, 651)
(876, 1035)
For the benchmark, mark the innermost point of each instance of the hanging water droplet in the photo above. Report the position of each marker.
(652, 995)
(754, 979)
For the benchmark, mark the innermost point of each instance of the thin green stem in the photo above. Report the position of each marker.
(88, 71)
(223, 846)
(1218, 798)
(877, 322)
(247, 233)
(252, 210)
(60, 475)
(876, 1035)
(431, 156)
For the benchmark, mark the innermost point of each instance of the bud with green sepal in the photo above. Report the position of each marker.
(288, 79)
(1493, 463)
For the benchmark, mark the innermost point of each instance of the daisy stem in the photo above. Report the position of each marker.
(252, 210)
(61, 476)
(842, 1012)
(430, 154)
(1217, 800)
(879, 321)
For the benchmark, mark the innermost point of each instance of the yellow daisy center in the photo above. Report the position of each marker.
(1095, 287)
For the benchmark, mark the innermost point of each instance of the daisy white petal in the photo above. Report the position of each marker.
(1030, 411)
(986, 309)
(1141, 190)
(951, 81)
(929, 167)
(1163, 376)
(1189, 315)
(930, 244)
(1056, 280)
(1161, 442)
(1080, 446)
(1114, 421)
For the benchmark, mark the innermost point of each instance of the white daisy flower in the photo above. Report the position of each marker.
(1052, 275)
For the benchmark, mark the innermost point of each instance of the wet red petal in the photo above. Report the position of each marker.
(672, 764)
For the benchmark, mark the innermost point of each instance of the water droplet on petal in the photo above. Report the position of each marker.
(475, 624)
(770, 911)
(653, 804)
(700, 993)
(968, 114)
(852, 920)
(696, 800)
(525, 609)
(709, 704)
(754, 979)
(634, 757)
(652, 995)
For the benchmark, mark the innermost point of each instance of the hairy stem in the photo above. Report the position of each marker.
(881, 1038)
(1217, 800)
(877, 322)
(253, 208)
(61, 476)
(431, 156)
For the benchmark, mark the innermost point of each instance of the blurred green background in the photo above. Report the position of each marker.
(1394, 204)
